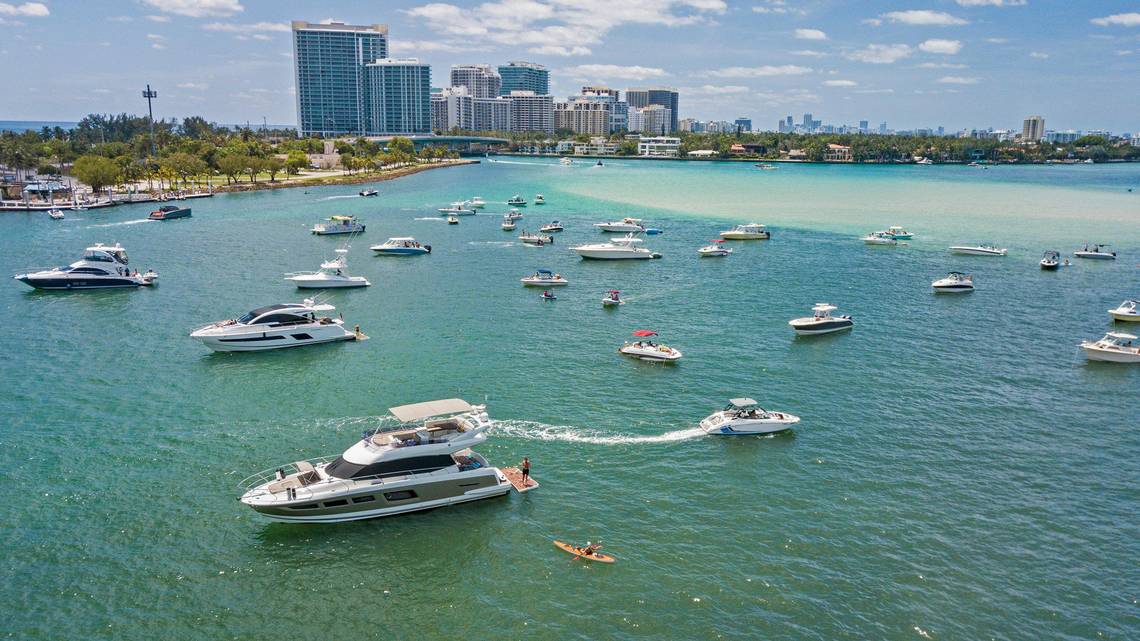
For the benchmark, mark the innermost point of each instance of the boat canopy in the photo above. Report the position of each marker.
(644, 332)
(545, 272)
(614, 291)
(1121, 336)
(824, 307)
(742, 402)
(342, 218)
(417, 411)
(400, 239)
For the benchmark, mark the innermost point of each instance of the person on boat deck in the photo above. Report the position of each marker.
(525, 471)
(338, 273)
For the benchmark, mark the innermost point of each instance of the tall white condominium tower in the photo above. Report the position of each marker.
(399, 97)
(530, 112)
(482, 81)
(329, 64)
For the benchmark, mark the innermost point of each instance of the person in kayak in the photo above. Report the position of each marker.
(589, 549)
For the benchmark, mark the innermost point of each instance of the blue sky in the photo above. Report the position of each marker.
(956, 63)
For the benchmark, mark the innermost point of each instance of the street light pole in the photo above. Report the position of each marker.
(149, 94)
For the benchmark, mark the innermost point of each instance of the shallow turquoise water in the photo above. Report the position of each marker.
(961, 472)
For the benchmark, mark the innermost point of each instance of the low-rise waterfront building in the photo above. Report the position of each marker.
(837, 153)
(659, 146)
(598, 146)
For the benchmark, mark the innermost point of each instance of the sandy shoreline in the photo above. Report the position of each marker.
(346, 179)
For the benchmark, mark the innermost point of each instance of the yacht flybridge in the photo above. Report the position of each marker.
(333, 273)
(102, 266)
(422, 464)
(751, 231)
(623, 226)
(624, 248)
(821, 321)
(276, 327)
(744, 416)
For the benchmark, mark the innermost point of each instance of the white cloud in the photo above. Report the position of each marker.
(557, 23)
(757, 72)
(158, 18)
(874, 22)
(1124, 52)
(120, 19)
(155, 36)
(1040, 55)
(924, 17)
(776, 6)
(559, 50)
(991, 3)
(1118, 19)
(789, 97)
(239, 27)
(26, 10)
(957, 80)
(413, 46)
(942, 65)
(101, 91)
(198, 8)
(881, 54)
(874, 91)
(810, 34)
(196, 86)
(715, 90)
(945, 47)
(261, 36)
(157, 46)
(840, 83)
(997, 41)
(810, 53)
(616, 72)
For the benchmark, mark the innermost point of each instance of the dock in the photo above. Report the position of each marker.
(514, 475)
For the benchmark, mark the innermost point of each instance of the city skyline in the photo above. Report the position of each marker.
(957, 63)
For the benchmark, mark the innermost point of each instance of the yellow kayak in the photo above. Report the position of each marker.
(577, 552)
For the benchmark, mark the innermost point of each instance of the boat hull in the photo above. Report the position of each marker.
(401, 251)
(748, 427)
(55, 283)
(1124, 317)
(1109, 356)
(825, 327)
(1050, 266)
(604, 254)
(543, 283)
(174, 215)
(277, 338)
(329, 283)
(334, 232)
(620, 228)
(732, 235)
(1095, 255)
(973, 251)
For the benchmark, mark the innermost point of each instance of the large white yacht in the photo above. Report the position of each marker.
(422, 464)
(102, 266)
(821, 321)
(332, 274)
(623, 226)
(751, 231)
(275, 327)
(1115, 347)
(338, 225)
(979, 250)
(744, 416)
(622, 248)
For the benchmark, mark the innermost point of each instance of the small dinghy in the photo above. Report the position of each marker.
(548, 296)
(588, 552)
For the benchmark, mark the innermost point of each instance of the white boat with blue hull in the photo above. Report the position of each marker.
(275, 327)
(424, 463)
(401, 246)
(745, 417)
(102, 267)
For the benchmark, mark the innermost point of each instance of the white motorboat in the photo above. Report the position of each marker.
(979, 250)
(332, 274)
(508, 223)
(102, 267)
(647, 350)
(539, 199)
(1095, 252)
(275, 327)
(551, 227)
(56, 214)
(821, 321)
(767, 166)
(424, 463)
(955, 282)
(401, 246)
(751, 231)
(624, 248)
(1128, 311)
(1051, 260)
(1115, 347)
(476, 202)
(517, 201)
(514, 214)
(369, 192)
(715, 248)
(338, 225)
(612, 299)
(544, 278)
(457, 209)
(924, 161)
(744, 417)
(566, 161)
(898, 233)
(452, 219)
(879, 238)
(623, 226)
(528, 238)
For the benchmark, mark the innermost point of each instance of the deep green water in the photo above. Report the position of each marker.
(961, 472)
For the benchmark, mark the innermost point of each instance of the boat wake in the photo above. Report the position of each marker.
(436, 218)
(120, 224)
(542, 432)
(341, 197)
(492, 243)
(529, 164)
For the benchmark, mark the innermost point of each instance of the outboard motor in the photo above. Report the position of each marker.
(428, 248)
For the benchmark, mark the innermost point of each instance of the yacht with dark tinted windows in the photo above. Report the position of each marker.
(102, 266)
(275, 327)
(426, 462)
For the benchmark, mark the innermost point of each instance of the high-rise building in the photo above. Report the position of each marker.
(1033, 128)
(531, 112)
(618, 109)
(328, 60)
(883, 128)
(601, 89)
(668, 97)
(863, 126)
(492, 114)
(399, 97)
(583, 116)
(807, 124)
(481, 80)
(453, 108)
(652, 119)
(743, 124)
(524, 76)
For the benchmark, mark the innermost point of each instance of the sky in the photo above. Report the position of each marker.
(911, 63)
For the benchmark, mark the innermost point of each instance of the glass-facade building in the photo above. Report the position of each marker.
(399, 97)
(524, 76)
(329, 60)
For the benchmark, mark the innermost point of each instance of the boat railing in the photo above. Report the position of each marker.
(249, 485)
